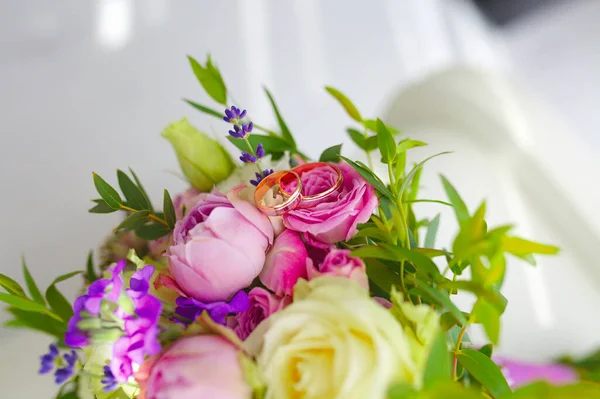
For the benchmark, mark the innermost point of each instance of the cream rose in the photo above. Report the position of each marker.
(332, 342)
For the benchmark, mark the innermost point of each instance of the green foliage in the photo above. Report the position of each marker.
(59, 304)
(211, 80)
(485, 371)
(331, 154)
(169, 209)
(32, 287)
(11, 286)
(285, 131)
(91, 275)
(110, 196)
(351, 110)
(133, 194)
(438, 368)
(386, 143)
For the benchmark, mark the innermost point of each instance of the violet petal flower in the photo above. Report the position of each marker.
(48, 360)
(247, 158)
(260, 151)
(191, 308)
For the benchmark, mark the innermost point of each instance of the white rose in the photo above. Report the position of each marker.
(334, 341)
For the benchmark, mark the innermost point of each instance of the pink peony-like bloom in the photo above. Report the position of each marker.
(522, 373)
(185, 201)
(262, 305)
(201, 366)
(336, 218)
(338, 262)
(219, 247)
(285, 263)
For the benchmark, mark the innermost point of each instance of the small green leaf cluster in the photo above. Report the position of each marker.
(141, 217)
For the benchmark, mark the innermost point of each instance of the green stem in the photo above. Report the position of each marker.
(253, 153)
(152, 217)
(456, 349)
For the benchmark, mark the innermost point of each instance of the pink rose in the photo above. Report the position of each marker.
(336, 218)
(219, 247)
(185, 202)
(262, 305)
(201, 366)
(338, 262)
(285, 263)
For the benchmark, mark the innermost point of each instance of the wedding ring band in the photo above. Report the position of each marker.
(290, 200)
(308, 201)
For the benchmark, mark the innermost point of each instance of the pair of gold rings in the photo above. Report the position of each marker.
(271, 198)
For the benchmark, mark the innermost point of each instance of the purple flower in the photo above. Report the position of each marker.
(237, 132)
(109, 381)
(260, 151)
(68, 370)
(190, 308)
(48, 360)
(247, 158)
(233, 115)
(140, 282)
(521, 373)
(259, 178)
(98, 291)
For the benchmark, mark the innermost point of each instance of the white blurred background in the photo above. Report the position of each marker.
(88, 86)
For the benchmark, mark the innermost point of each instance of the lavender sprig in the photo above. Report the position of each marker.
(241, 130)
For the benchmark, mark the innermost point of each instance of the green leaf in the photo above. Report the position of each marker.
(59, 304)
(26, 304)
(375, 233)
(423, 263)
(108, 194)
(441, 298)
(447, 320)
(169, 210)
(272, 145)
(152, 231)
(484, 370)
(141, 187)
(386, 143)
(370, 177)
(407, 180)
(521, 247)
(545, 390)
(489, 316)
(487, 350)
(381, 275)
(429, 252)
(371, 124)
(438, 367)
(492, 295)
(134, 196)
(204, 109)
(39, 322)
(11, 286)
(432, 232)
(285, 131)
(407, 144)
(91, 272)
(414, 185)
(210, 78)
(346, 103)
(101, 207)
(32, 287)
(460, 209)
(357, 137)
(331, 154)
(133, 221)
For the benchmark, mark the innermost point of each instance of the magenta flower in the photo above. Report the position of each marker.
(262, 304)
(522, 373)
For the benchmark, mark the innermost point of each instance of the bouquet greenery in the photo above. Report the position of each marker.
(283, 277)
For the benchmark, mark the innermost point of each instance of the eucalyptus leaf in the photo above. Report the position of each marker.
(169, 210)
(152, 231)
(32, 287)
(346, 103)
(285, 131)
(101, 207)
(484, 370)
(108, 194)
(133, 194)
(133, 221)
(331, 154)
(210, 79)
(460, 209)
(386, 143)
(11, 286)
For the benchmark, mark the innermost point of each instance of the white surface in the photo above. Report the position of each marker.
(89, 85)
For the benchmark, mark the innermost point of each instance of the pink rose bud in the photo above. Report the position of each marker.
(201, 366)
(219, 247)
(336, 218)
(338, 262)
(285, 263)
(262, 305)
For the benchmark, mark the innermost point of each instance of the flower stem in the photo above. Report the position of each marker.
(150, 216)
(461, 334)
(253, 153)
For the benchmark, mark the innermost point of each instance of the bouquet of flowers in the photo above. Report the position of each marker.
(282, 277)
